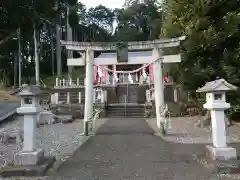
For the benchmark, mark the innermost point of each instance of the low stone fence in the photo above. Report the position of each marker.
(73, 92)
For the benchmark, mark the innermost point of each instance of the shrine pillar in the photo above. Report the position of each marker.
(88, 110)
(158, 85)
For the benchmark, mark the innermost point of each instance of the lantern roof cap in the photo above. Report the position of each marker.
(30, 90)
(216, 86)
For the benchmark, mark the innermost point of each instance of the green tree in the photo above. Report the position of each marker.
(213, 40)
(139, 22)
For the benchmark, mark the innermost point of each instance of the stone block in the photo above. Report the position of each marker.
(28, 170)
(221, 154)
(28, 158)
(65, 119)
(219, 167)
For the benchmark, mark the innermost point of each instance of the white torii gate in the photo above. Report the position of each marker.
(156, 57)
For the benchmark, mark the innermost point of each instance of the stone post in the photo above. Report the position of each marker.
(68, 97)
(88, 110)
(57, 82)
(105, 96)
(79, 97)
(63, 83)
(148, 96)
(108, 78)
(102, 96)
(57, 94)
(158, 85)
(70, 82)
(114, 69)
(79, 93)
(30, 107)
(69, 93)
(94, 95)
(175, 95)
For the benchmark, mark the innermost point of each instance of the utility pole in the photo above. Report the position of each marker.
(15, 58)
(69, 38)
(19, 59)
(52, 51)
(36, 55)
(58, 48)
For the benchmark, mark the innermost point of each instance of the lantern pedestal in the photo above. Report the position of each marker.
(222, 154)
(28, 158)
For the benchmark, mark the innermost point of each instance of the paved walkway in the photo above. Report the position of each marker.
(127, 149)
(8, 108)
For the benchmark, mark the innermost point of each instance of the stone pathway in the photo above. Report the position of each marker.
(128, 149)
(8, 108)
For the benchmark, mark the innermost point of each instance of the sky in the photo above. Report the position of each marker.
(108, 3)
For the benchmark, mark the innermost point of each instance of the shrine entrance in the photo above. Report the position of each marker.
(126, 91)
(146, 53)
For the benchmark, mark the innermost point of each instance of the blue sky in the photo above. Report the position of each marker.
(108, 3)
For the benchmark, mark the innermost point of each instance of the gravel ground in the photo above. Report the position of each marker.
(184, 130)
(59, 140)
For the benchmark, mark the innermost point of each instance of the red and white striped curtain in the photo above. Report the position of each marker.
(95, 74)
(151, 73)
(103, 74)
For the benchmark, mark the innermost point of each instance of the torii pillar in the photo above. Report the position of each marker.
(88, 110)
(158, 85)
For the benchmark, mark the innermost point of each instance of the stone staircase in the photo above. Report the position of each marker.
(132, 94)
(125, 111)
(127, 93)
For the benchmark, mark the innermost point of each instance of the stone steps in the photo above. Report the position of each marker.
(121, 111)
(130, 91)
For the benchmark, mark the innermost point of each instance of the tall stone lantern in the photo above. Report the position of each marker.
(216, 103)
(30, 107)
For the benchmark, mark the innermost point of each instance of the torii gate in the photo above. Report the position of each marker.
(155, 46)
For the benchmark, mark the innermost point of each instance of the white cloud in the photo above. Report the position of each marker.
(108, 3)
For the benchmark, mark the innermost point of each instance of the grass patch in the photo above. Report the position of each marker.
(175, 109)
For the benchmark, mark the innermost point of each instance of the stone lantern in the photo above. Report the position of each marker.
(30, 161)
(216, 103)
(30, 107)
